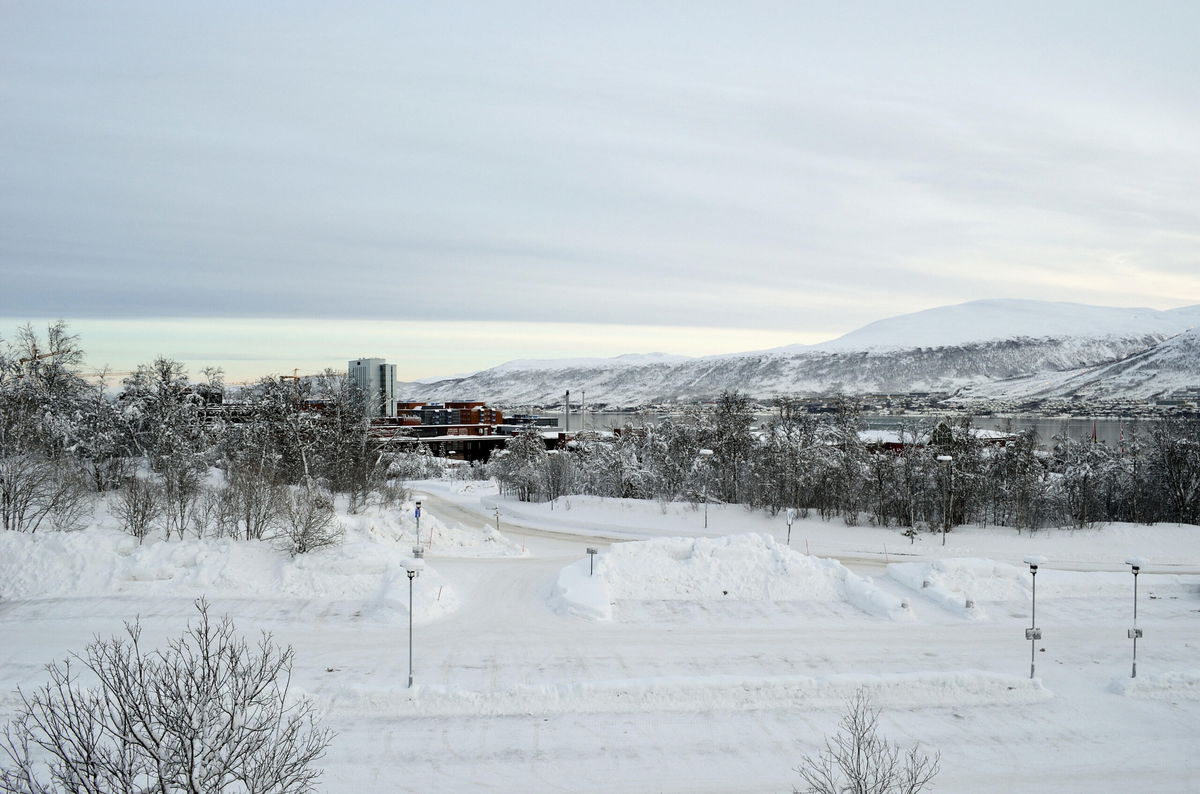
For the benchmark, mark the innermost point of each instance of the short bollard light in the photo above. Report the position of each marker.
(1033, 633)
(592, 552)
(414, 570)
(497, 519)
(1135, 634)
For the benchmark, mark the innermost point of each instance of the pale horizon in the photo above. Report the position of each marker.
(532, 182)
(247, 349)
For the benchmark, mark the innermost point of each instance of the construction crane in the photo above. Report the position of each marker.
(39, 356)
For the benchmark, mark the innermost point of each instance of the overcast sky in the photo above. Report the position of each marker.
(277, 185)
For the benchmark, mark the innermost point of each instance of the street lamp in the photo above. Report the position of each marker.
(705, 454)
(1135, 633)
(949, 461)
(1033, 633)
(414, 570)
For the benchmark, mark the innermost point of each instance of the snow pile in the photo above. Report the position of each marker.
(1161, 686)
(696, 693)
(367, 571)
(438, 537)
(955, 582)
(738, 568)
(951, 582)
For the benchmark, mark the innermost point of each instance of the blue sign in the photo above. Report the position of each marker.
(417, 512)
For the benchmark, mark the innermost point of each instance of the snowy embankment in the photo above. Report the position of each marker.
(953, 583)
(1161, 686)
(733, 568)
(695, 694)
(368, 568)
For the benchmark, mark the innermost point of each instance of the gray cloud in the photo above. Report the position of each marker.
(760, 167)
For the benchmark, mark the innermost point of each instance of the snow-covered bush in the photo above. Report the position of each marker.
(139, 504)
(419, 465)
(207, 713)
(308, 520)
(36, 493)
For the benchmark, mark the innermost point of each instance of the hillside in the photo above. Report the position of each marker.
(1170, 367)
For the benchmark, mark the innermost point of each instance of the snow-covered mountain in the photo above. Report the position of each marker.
(1170, 367)
(1000, 319)
(967, 347)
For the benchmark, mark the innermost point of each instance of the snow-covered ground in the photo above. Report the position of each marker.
(692, 659)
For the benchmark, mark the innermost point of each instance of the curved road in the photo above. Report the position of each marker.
(553, 542)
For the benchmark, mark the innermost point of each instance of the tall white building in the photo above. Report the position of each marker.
(377, 379)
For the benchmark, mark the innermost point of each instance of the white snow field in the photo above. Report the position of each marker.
(692, 660)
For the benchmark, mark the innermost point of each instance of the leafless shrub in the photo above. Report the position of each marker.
(208, 713)
(253, 502)
(207, 512)
(856, 760)
(308, 520)
(35, 492)
(138, 504)
(181, 492)
(392, 493)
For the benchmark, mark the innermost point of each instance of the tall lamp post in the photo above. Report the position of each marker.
(1033, 633)
(949, 461)
(1135, 633)
(705, 454)
(414, 570)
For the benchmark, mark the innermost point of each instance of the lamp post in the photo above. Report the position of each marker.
(791, 516)
(949, 461)
(497, 519)
(705, 454)
(1033, 633)
(1135, 633)
(414, 570)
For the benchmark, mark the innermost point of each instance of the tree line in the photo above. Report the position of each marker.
(175, 464)
(943, 473)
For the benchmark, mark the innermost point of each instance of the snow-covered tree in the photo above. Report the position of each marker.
(207, 713)
(521, 466)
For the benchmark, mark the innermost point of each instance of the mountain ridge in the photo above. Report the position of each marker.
(949, 349)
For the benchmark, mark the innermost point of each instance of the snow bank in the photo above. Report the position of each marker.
(438, 537)
(951, 582)
(101, 562)
(735, 568)
(1184, 685)
(692, 693)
